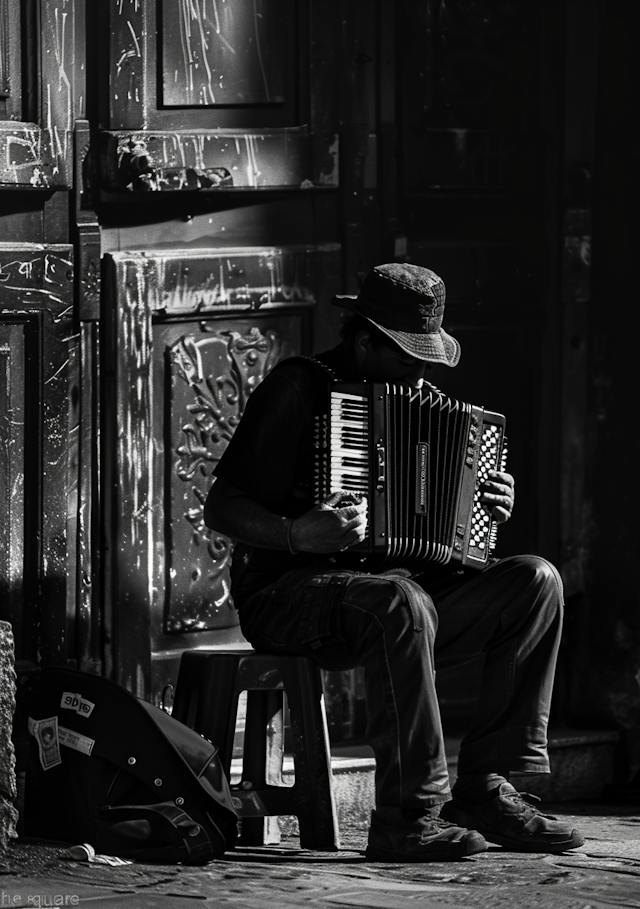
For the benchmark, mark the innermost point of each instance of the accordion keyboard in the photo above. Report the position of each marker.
(349, 443)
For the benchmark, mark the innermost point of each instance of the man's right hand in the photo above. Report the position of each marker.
(330, 528)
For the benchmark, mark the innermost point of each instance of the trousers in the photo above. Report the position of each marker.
(401, 630)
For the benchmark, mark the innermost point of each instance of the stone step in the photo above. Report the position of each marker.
(581, 764)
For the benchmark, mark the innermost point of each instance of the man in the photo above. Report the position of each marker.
(299, 589)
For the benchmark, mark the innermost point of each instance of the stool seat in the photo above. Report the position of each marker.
(206, 699)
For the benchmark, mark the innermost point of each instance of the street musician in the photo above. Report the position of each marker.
(301, 586)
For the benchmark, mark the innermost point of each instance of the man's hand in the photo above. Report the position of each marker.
(330, 528)
(498, 495)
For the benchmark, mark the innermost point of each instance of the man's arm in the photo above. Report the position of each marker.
(323, 529)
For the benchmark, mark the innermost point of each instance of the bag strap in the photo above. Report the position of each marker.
(153, 833)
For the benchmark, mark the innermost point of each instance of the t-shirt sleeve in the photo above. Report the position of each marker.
(262, 457)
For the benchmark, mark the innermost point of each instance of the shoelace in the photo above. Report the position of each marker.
(527, 801)
(433, 825)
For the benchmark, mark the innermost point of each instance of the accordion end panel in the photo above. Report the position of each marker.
(476, 531)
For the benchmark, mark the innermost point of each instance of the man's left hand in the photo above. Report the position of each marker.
(498, 495)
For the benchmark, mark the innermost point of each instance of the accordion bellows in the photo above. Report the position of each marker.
(420, 458)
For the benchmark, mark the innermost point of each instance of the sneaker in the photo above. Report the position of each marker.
(425, 838)
(510, 819)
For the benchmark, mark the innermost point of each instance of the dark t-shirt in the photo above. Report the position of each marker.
(270, 457)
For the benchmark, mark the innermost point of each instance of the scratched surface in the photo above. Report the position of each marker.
(88, 607)
(10, 63)
(211, 369)
(208, 159)
(58, 87)
(40, 154)
(126, 48)
(252, 279)
(187, 281)
(12, 469)
(223, 51)
(4, 61)
(36, 303)
(193, 333)
(27, 156)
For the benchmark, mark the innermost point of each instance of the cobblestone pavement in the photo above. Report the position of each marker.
(605, 872)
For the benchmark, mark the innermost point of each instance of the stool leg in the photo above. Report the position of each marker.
(206, 699)
(312, 760)
(262, 760)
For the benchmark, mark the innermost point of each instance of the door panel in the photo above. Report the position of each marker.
(38, 435)
(230, 53)
(189, 335)
(205, 65)
(209, 371)
(41, 90)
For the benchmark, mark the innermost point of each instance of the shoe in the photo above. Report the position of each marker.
(425, 838)
(510, 819)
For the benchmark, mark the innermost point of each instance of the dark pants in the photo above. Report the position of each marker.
(511, 612)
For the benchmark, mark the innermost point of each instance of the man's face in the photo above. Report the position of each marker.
(389, 363)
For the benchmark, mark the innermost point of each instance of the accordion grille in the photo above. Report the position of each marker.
(425, 447)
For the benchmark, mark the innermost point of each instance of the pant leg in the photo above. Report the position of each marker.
(388, 625)
(512, 611)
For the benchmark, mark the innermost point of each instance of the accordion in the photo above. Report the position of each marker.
(420, 458)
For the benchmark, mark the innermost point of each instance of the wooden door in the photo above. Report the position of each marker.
(188, 336)
(217, 198)
(41, 98)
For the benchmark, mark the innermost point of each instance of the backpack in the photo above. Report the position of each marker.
(112, 770)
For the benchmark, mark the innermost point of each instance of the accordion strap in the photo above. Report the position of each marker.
(321, 369)
(326, 373)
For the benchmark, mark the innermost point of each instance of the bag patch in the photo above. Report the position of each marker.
(45, 733)
(72, 701)
(75, 740)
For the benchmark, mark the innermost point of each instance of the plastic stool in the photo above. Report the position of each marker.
(206, 699)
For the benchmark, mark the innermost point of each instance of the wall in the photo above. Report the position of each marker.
(603, 637)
